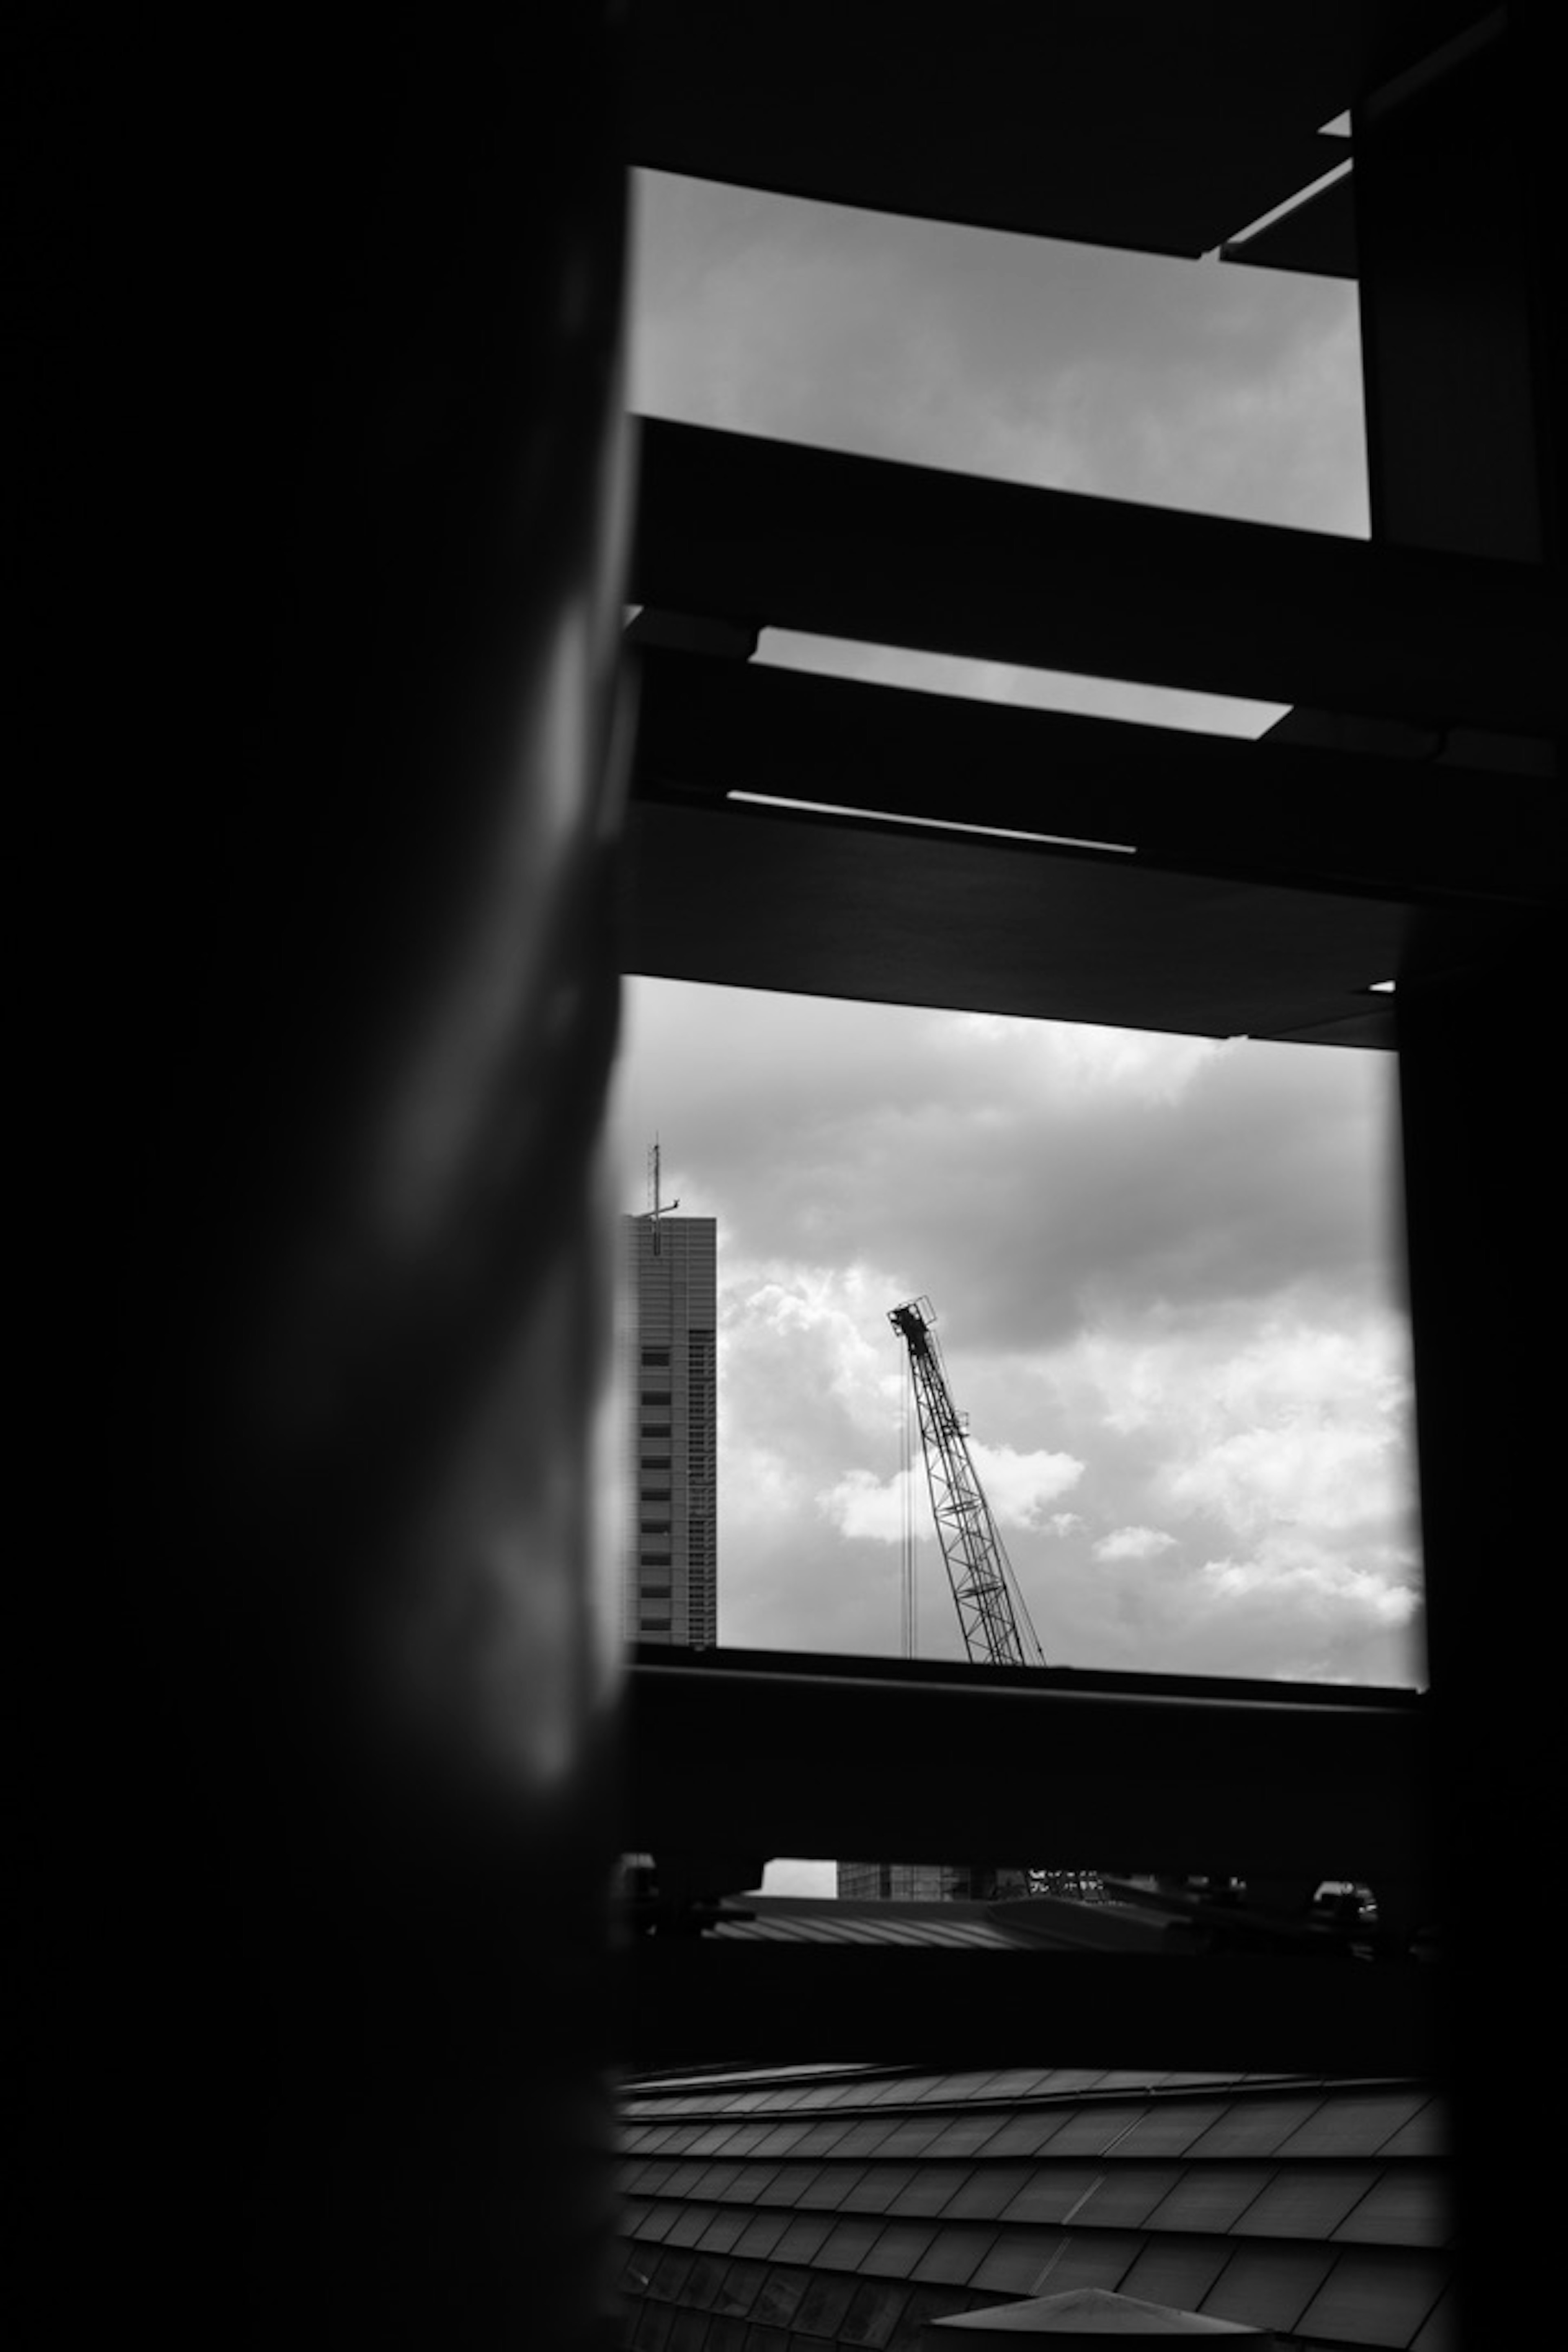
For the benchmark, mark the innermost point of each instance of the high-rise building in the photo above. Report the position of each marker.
(671, 1585)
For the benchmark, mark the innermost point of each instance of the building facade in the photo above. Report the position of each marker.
(927, 1882)
(671, 1579)
(902, 1882)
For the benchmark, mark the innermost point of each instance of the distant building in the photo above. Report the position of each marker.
(926, 1882)
(672, 1582)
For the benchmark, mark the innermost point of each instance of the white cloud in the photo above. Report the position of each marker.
(1275, 1446)
(762, 1487)
(1028, 1176)
(860, 1506)
(1016, 1485)
(1019, 1486)
(1304, 1573)
(1334, 1473)
(1133, 1543)
(815, 1319)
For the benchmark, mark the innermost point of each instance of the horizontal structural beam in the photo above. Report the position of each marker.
(863, 1763)
(679, 1999)
(1164, 128)
(979, 172)
(777, 535)
(901, 916)
(1190, 803)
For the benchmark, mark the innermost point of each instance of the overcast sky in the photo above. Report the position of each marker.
(1166, 1270)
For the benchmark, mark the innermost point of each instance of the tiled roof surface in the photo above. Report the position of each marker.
(846, 2207)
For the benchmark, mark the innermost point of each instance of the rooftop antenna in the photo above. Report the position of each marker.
(655, 1207)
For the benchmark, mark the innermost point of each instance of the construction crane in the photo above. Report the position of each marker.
(992, 1613)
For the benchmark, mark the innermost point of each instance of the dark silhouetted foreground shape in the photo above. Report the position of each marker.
(364, 897)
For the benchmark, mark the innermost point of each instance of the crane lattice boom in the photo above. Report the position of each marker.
(992, 1614)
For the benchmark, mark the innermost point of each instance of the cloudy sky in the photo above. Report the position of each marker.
(1167, 1271)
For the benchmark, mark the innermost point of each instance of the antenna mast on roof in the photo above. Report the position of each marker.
(655, 1207)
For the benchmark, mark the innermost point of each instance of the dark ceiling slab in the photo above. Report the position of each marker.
(746, 899)
(768, 532)
(866, 1761)
(1110, 2010)
(1268, 810)
(1163, 125)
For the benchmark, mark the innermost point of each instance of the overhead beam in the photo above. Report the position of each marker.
(772, 533)
(676, 1999)
(886, 1763)
(902, 916)
(1195, 803)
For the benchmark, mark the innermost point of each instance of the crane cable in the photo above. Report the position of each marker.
(908, 1627)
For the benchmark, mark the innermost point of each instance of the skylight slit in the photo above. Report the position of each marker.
(932, 823)
(1290, 205)
(1018, 687)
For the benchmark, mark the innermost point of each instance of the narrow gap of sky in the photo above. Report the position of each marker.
(1024, 689)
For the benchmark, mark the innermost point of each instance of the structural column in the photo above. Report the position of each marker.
(1459, 280)
(366, 983)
